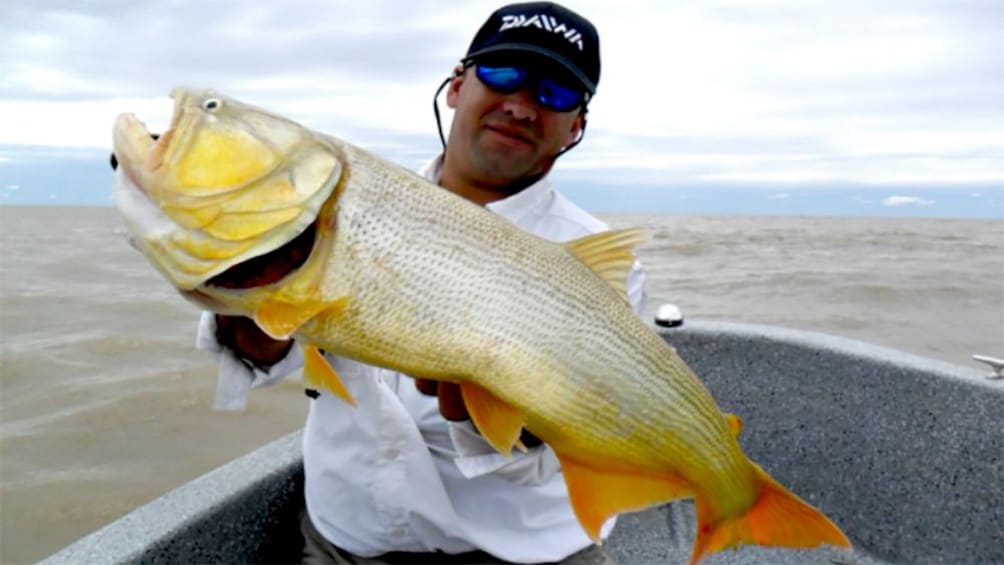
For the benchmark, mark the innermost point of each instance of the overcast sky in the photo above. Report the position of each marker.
(890, 103)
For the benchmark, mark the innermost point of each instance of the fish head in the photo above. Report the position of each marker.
(225, 184)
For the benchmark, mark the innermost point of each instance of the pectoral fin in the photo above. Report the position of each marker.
(320, 374)
(598, 495)
(497, 421)
(280, 319)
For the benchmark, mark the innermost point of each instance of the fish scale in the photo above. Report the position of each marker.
(550, 305)
(408, 276)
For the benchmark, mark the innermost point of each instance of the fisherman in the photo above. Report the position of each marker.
(402, 477)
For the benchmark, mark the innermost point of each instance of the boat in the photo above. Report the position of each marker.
(905, 453)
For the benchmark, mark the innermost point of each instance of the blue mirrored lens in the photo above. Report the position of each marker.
(503, 79)
(557, 97)
(548, 93)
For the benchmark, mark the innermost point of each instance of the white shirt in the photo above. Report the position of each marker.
(393, 475)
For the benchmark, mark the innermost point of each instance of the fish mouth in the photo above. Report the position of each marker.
(228, 198)
(270, 267)
(139, 151)
(148, 222)
(256, 271)
(132, 145)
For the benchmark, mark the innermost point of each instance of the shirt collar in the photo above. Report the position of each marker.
(512, 206)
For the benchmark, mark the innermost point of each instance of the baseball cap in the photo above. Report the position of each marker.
(545, 29)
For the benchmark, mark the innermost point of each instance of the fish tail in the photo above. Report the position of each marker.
(776, 518)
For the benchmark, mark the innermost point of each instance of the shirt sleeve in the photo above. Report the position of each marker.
(636, 288)
(238, 376)
(476, 457)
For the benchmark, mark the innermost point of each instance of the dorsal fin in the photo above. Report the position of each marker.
(610, 254)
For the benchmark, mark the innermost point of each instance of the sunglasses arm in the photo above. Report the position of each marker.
(582, 133)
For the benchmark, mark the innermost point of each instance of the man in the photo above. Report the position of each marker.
(405, 476)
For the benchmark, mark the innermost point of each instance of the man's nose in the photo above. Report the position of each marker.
(520, 105)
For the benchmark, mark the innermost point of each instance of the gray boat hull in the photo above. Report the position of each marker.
(904, 453)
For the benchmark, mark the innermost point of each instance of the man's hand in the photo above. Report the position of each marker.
(452, 407)
(451, 402)
(247, 340)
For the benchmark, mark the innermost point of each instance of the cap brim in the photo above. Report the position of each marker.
(529, 48)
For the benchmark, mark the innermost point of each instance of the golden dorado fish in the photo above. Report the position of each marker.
(249, 213)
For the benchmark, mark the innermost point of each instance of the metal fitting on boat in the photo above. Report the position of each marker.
(668, 316)
(996, 365)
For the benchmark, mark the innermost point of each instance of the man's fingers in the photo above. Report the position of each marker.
(245, 338)
(427, 386)
(451, 402)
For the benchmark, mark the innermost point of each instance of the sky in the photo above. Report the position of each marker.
(817, 107)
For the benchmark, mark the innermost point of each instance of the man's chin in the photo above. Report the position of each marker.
(502, 168)
(503, 160)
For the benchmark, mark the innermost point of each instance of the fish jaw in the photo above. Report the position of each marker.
(207, 150)
(150, 231)
(225, 183)
(133, 145)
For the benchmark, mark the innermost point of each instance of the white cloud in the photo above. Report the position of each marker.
(706, 92)
(779, 196)
(776, 174)
(897, 201)
(13, 187)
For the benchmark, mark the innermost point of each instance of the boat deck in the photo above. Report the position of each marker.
(904, 453)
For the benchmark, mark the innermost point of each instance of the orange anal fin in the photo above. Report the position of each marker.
(597, 495)
(497, 421)
(777, 518)
(280, 319)
(319, 373)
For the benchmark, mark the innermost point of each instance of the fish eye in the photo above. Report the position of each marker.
(212, 104)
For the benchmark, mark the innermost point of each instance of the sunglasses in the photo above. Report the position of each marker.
(548, 93)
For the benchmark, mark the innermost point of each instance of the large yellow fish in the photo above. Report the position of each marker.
(249, 213)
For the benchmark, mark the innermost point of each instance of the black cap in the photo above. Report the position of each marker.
(546, 29)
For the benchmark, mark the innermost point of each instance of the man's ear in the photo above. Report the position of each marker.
(576, 130)
(453, 92)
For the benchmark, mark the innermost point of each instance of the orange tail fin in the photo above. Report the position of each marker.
(777, 518)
